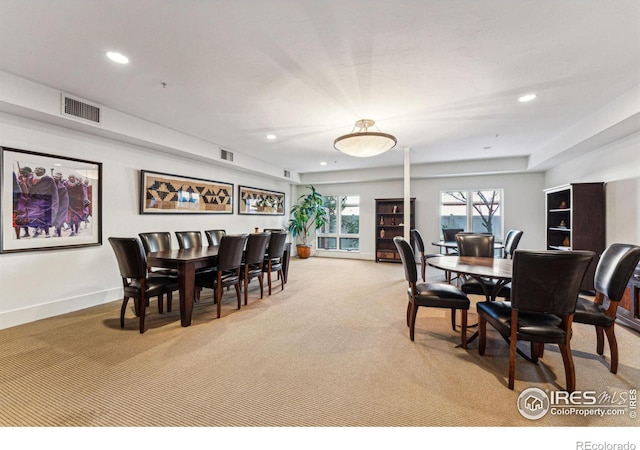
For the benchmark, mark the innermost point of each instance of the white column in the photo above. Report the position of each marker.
(407, 195)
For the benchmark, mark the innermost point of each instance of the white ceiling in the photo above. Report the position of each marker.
(443, 76)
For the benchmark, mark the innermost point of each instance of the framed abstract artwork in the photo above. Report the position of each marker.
(260, 201)
(163, 193)
(49, 202)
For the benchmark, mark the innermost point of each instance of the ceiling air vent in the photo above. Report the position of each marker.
(287, 174)
(226, 155)
(76, 108)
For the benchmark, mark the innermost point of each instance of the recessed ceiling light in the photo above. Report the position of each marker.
(323, 163)
(117, 57)
(271, 137)
(527, 98)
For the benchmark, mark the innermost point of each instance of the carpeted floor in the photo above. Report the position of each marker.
(331, 350)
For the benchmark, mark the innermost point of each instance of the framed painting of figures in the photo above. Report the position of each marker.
(260, 201)
(163, 193)
(48, 202)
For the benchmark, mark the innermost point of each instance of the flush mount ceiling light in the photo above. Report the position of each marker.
(117, 57)
(527, 98)
(364, 143)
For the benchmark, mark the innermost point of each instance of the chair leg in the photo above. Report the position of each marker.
(218, 296)
(412, 327)
(453, 319)
(423, 269)
(169, 300)
(613, 347)
(482, 334)
(513, 343)
(269, 280)
(246, 288)
(281, 277)
(463, 332)
(123, 310)
(237, 286)
(142, 309)
(600, 340)
(160, 304)
(261, 281)
(569, 369)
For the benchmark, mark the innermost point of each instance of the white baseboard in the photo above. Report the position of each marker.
(45, 310)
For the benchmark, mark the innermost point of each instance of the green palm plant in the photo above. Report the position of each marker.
(308, 214)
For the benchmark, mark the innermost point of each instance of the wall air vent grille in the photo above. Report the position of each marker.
(80, 109)
(226, 155)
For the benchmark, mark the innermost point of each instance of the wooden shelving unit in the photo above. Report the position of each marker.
(575, 220)
(390, 223)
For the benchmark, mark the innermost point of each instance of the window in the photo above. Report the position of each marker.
(342, 230)
(479, 211)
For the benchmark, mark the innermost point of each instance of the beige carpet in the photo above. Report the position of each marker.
(332, 349)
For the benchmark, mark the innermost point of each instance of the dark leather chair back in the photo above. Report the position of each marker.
(615, 268)
(230, 251)
(417, 238)
(449, 234)
(473, 244)
(256, 247)
(408, 259)
(214, 236)
(275, 250)
(156, 241)
(548, 281)
(271, 230)
(132, 260)
(189, 239)
(511, 242)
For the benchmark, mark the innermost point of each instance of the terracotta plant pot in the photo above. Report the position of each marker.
(304, 251)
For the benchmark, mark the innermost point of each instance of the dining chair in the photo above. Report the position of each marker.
(417, 238)
(157, 242)
(613, 271)
(449, 235)
(511, 241)
(227, 272)
(189, 239)
(544, 292)
(253, 261)
(214, 236)
(136, 282)
(273, 260)
(430, 295)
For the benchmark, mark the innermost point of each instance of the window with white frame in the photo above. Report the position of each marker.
(479, 211)
(342, 230)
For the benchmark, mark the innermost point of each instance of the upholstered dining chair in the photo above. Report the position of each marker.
(430, 295)
(136, 282)
(419, 242)
(253, 261)
(511, 241)
(189, 239)
(273, 260)
(214, 236)
(157, 241)
(544, 292)
(227, 272)
(449, 235)
(614, 269)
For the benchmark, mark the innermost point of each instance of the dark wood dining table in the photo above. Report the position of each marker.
(185, 261)
(476, 267)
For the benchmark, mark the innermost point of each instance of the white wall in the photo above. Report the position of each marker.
(618, 165)
(523, 203)
(41, 284)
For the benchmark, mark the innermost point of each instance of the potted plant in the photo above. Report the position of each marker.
(308, 214)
